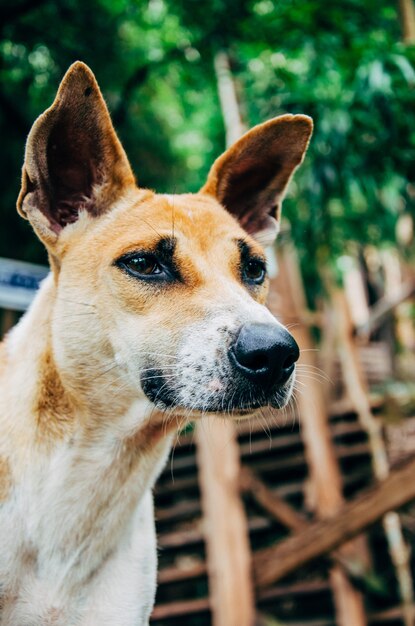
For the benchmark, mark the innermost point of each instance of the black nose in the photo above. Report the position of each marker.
(264, 353)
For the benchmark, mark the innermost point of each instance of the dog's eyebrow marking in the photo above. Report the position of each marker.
(247, 252)
(165, 248)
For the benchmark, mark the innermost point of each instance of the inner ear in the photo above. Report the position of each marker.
(246, 188)
(73, 172)
(74, 160)
(250, 179)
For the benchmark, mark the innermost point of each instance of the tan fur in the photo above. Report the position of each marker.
(81, 444)
(5, 479)
(53, 409)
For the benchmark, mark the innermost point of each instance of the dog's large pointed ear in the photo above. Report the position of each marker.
(73, 160)
(250, 179)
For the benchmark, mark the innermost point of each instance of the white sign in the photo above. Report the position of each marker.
(19, 282)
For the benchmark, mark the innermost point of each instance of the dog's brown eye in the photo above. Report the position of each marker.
(255, 271)
(143, 265)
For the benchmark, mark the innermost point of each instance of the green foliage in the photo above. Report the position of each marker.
(342, 63)
(162, 97)
(347, 69)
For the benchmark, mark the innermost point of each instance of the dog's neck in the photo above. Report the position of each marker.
(50, 414)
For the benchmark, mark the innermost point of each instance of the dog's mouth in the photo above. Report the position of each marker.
(235, 397)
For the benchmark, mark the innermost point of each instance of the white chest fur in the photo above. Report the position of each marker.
(81, 544)
(77, 523)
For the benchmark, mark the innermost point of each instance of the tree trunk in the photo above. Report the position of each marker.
(407, 13)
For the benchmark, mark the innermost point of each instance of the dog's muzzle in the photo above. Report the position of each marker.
(255, 369)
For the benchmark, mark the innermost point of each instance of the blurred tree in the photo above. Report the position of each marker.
(343, 64)
(346, 68)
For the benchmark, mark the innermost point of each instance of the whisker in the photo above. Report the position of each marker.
(169, 377)
(106, 371)
(293, 325)
(172, 218)
(305, 376)
(312, 369)
(146, 353)
(152, 227)
(76, 302)
(70, 315)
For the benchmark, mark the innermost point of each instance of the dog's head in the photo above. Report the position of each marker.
(166, 293)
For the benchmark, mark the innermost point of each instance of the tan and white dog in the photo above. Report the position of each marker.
(154, 309)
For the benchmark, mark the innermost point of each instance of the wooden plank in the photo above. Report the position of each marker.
(303, 588)
(389, 615)
(170, 610)
(280, 510)
(182, 510)
(284, 490)
(181, 608)
(263, 620)
(184, 608)
(189, 461)
(270, 502)
(168, 575)
(272, 564)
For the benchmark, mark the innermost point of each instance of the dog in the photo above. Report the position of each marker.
(153, 312)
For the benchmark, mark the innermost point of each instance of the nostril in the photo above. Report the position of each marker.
(289, 361)
(256, 362)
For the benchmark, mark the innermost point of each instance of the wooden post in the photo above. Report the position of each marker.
(322, 463)
(226, 526)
